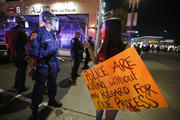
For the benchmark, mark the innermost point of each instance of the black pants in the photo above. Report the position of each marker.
(45, 74)
(20, 77)
(75, 66)
(87, 59)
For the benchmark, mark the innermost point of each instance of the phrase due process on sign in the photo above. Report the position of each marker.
(123, 81)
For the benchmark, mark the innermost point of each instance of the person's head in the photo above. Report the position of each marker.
(111, 34)
(77, 34)
(49, 20)
(20, 20)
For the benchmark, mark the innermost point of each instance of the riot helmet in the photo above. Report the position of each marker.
(49, 18)
(20, 19)
(78, 32)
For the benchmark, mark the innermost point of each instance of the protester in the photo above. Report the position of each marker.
(112, 45)
(43, 49)
(75, 52)
(16, 38)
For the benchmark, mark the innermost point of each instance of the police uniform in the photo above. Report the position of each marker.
(75, 57)
(16, 38)
(44, 48)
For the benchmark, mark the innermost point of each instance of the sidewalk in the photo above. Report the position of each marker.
(77, 104)
(78, 99)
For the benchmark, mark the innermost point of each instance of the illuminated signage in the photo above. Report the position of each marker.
(38, 8)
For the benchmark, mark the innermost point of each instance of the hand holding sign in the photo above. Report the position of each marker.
(123, 82)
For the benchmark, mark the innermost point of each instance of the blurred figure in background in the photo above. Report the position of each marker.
(16, 38)
(158, 48)
(138, 49)
(87, 59)
(75, 52)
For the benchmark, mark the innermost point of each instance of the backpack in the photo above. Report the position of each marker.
(32, 63)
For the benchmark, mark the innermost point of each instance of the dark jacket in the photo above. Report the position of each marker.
(16, 38)
(75, 48)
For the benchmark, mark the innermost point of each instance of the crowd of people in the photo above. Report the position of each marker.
(40, 51)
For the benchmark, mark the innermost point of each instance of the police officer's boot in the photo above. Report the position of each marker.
(54, 103)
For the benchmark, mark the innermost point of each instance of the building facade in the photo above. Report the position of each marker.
(73, 14)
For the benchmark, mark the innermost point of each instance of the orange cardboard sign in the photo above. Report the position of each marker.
(123, 81)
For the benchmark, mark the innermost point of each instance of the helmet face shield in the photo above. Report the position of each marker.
(49, 18)
(55, 24)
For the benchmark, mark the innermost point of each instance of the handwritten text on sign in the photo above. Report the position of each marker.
(123, 81)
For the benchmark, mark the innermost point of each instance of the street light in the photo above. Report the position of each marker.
(132, 4)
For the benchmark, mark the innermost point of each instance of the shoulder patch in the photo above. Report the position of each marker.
(33, 36)
(73, 41)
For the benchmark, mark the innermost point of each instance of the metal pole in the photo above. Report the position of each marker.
(131, 25)
(98, 26)
(132, 4)
(132, 18)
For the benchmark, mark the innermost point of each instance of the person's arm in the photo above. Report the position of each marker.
(91, 52)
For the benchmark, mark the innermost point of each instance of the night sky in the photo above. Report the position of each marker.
(154, 16)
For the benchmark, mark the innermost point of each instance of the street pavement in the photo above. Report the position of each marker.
(77, 104)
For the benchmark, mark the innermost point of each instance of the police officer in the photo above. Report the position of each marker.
(16, 38)
(43, 48)
(75, 52)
